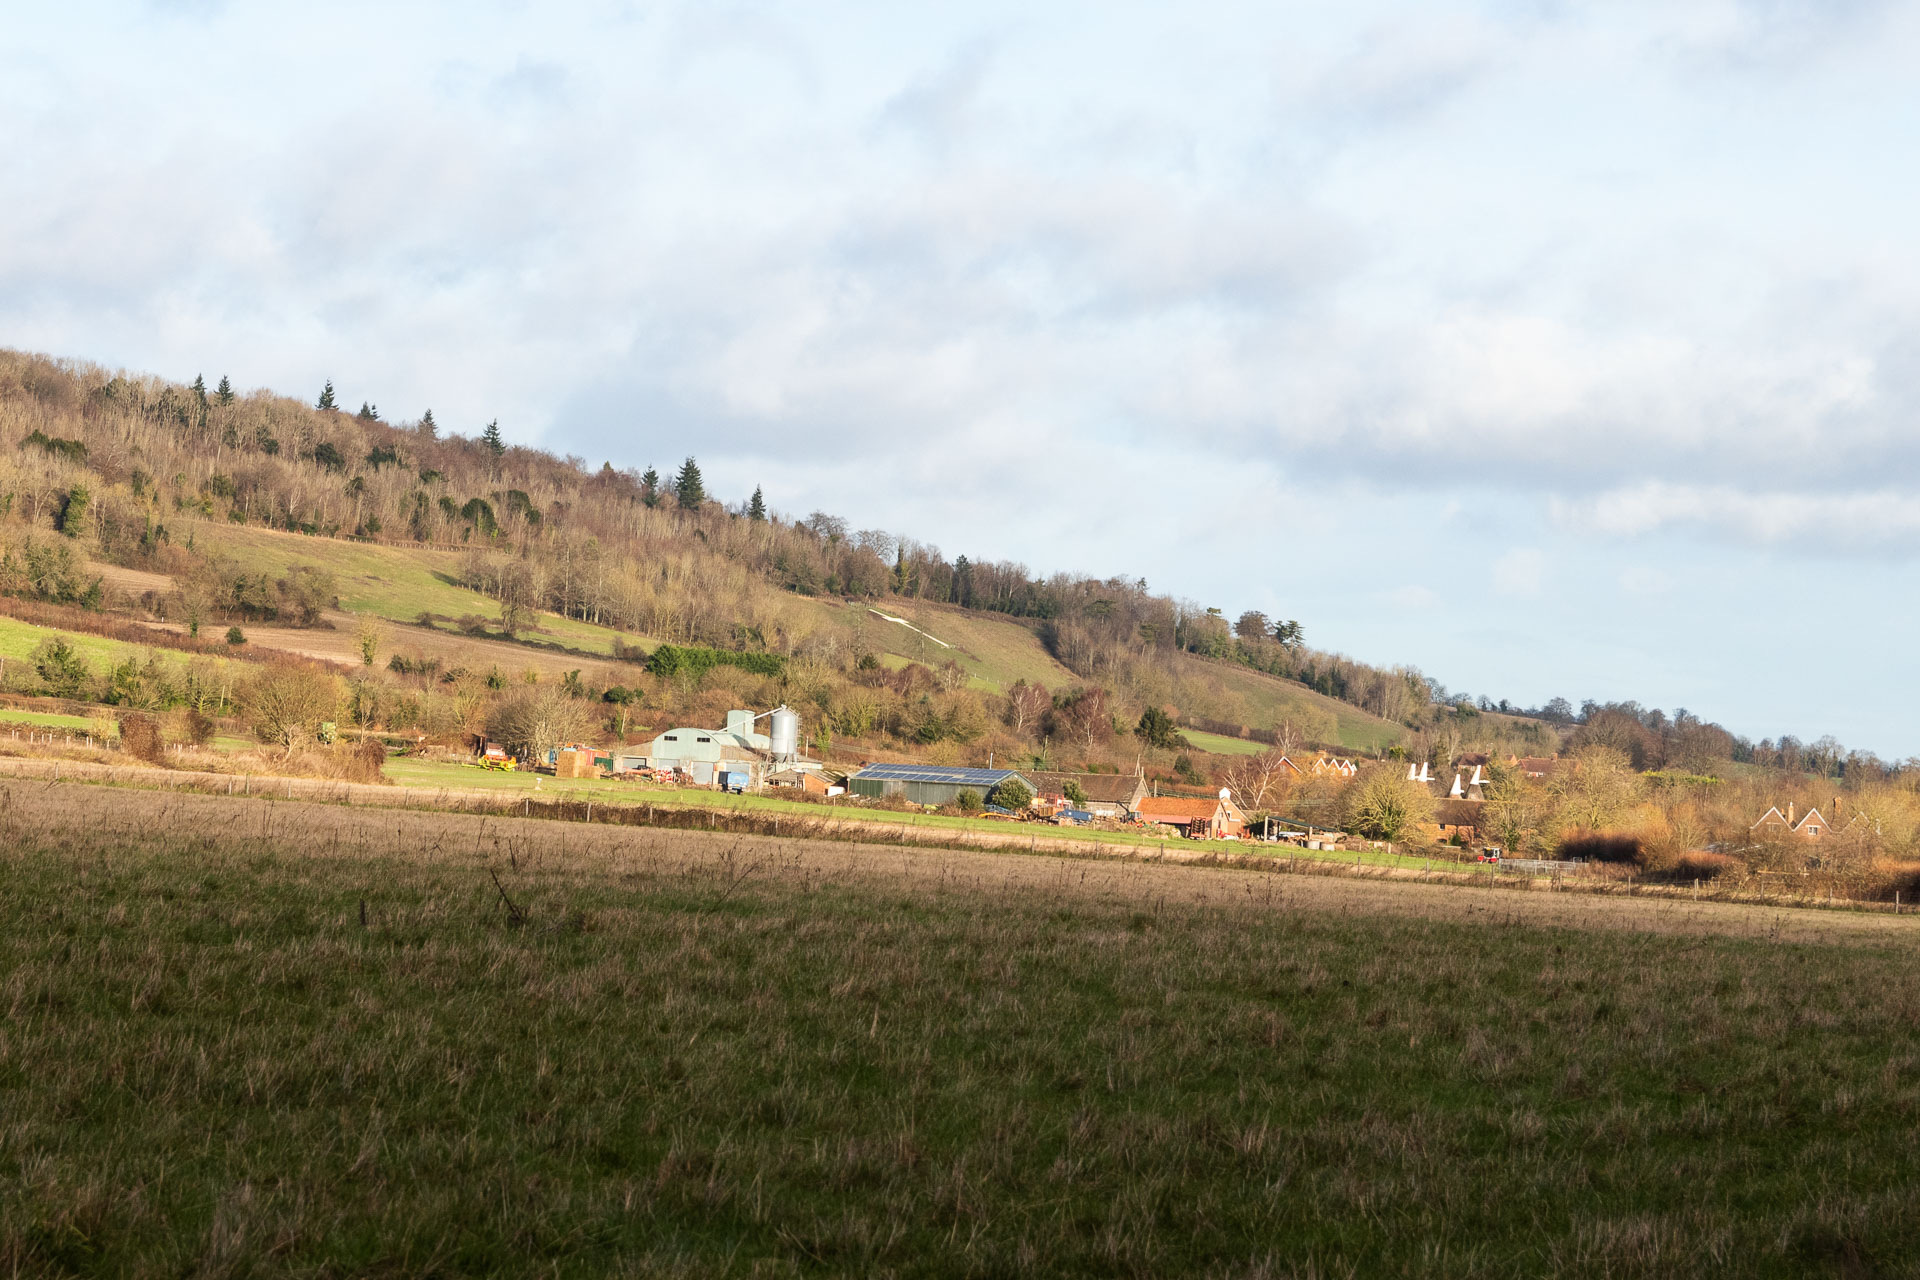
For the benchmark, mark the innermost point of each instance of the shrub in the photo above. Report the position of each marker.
(140, 737)
(968, 801)
(287, 704)
(60, 667)
(235, 636)
(673, 659)
(1701, 865)
(1599, 846)
(1902, 878)
(71, 450)
(365, 761)
(1386, 804)
(48, 571)
(1012, 794)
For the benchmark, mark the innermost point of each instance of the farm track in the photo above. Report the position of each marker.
(316, 822)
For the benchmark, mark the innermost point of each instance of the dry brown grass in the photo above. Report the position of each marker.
(437, 837)
(244, 1038)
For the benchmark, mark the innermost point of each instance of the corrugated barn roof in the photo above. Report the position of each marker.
(936, 773)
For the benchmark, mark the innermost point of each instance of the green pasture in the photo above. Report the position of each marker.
(1221, 745)
(395, 583)
(48, 719)
(19, 639)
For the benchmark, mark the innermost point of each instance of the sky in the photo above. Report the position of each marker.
(1556, 350)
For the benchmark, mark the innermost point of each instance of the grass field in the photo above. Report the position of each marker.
(396, 583)
(433, 775)
(294, 1039)
(1221, 745)
(19, 639)
(47, 719)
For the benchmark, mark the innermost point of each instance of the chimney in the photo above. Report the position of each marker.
(1456, 793)
(1789, 813)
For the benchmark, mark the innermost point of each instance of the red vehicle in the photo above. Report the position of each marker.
(1489, 855)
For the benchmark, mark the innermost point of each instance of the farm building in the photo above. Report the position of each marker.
(1536, 766)
(811, 778)
(1201, 817)
(930, 784)
(1468, 786)
(1108, 795)
(704, 754)
(1809, 826)
(1458, 818)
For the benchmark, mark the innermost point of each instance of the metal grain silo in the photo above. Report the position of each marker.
(786, 733)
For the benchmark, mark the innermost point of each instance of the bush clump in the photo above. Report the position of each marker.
(140, 737)
(1600, 846)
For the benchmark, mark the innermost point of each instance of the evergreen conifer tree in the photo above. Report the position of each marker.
(326, 397)
(650, 488)
(491, 438)
(688, 489)
(199, 389)
(368, 413)
(757, 508)
(224, 392)
(428, 427)
(76, 521)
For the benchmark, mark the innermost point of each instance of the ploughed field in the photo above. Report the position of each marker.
(247, 1038)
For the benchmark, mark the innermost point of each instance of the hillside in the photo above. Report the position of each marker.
(210, 507)
(399, 584)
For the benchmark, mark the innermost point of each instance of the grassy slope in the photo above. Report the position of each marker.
(44, 720)
(19, 639)
(1221, 745)
(400, 583)
(236, 1052)
(1261, 701)
(397, 583)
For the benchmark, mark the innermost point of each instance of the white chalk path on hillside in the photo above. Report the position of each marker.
(909, 626)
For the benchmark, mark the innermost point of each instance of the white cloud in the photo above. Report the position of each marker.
(1876, 522)
(1519, 572)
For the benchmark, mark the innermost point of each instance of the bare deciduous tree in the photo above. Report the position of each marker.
(1261, 781)
(286, 705)
(1026, 704)
(537, 718)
